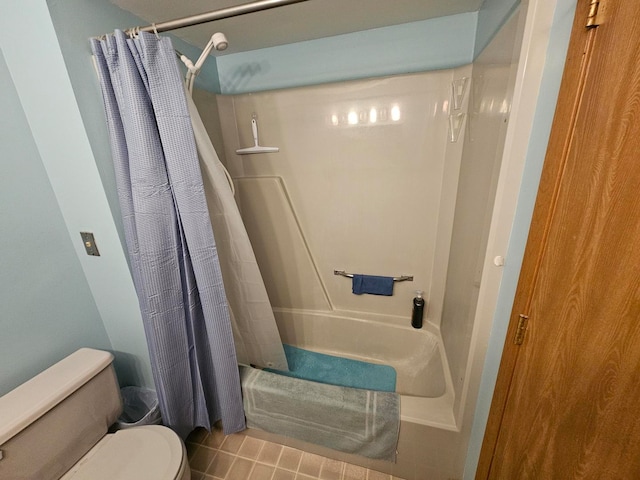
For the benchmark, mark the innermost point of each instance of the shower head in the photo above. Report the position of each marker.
(219, 41)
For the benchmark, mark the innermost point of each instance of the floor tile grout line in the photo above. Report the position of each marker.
(299, 461)
(231, 466)
(253, 465)
(264, 444)
(273, 474)
(279, 457)
(255, 461)
(212, 457)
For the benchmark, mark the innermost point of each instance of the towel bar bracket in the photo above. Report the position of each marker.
(402, 278)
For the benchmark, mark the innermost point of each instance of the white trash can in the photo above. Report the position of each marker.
(140, 407)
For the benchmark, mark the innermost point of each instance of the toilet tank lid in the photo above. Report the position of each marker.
(29, 401)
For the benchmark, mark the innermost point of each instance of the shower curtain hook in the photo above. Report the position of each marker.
(155, 30)
(134, 32)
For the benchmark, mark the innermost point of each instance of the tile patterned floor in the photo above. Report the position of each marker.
(241, 457)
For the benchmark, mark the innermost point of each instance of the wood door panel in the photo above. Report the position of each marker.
(564, 119)
(571, 409)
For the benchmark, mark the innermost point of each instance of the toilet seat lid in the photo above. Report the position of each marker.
(141, 452)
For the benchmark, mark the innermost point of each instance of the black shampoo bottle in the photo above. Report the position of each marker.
(418, 310)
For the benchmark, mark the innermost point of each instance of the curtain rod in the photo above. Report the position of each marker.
(214, 15)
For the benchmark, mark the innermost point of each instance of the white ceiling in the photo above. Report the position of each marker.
(292, 23)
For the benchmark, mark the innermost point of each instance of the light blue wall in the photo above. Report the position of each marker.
(431, 44)
(36, 65)
(75, 21)
(46, 52)
(47, 307)
(411, 47)
(552, 75)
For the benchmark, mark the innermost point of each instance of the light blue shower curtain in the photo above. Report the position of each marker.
(168, 233)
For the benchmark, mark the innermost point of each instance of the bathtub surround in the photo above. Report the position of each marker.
(388, 185)
(350, 420)
(481, 164)
(169, 237)
(373, 178)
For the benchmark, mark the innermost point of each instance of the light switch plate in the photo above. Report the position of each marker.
(90, 244)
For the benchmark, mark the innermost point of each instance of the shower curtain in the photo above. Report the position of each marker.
(168, 234)
(255, 332)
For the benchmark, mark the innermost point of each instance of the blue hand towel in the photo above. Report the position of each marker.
(372, 284)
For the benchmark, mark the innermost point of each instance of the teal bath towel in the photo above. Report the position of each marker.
(344, 372)
(363, 422)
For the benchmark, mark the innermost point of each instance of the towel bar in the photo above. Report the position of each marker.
(403, 278)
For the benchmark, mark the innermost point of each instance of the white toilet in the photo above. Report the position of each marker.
(54, 427)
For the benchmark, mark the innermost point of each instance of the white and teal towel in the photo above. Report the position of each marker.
(351, 420)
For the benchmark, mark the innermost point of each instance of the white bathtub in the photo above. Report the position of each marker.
(423, 379)
(429, 438)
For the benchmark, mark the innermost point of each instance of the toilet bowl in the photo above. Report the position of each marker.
(54, 427)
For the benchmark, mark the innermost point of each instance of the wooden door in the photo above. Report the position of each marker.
(567, 400)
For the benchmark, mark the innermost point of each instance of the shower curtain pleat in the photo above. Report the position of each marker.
(168, 233)
(255, 331)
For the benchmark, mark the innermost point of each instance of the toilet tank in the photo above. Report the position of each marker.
(49, 422)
